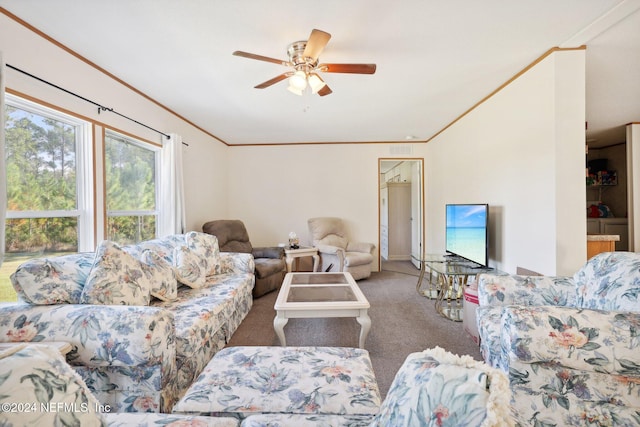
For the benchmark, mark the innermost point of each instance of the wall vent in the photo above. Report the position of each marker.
(400, 149)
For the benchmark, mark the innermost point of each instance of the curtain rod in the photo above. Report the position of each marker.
(100, 107)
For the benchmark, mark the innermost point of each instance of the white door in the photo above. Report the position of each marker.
(416, 213)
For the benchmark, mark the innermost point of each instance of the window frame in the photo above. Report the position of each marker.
(85, 200)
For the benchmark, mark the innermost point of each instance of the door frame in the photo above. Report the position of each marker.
(420, 160)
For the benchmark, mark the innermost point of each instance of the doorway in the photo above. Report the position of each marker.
(401, 214)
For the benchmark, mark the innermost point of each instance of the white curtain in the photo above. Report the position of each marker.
(3, 174)
(172, 211)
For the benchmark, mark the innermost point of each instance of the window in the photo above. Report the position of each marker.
(47, 171)
(131, 191)
(51, 205)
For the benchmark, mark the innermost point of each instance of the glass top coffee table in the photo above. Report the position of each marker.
(317, 295)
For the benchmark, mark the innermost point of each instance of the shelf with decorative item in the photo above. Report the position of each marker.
(602, 178)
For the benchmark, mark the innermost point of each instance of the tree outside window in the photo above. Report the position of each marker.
(130, 173)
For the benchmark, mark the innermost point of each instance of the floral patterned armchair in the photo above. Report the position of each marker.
(569, 344)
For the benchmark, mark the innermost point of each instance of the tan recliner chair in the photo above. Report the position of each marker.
(336, 252)
(270, 265)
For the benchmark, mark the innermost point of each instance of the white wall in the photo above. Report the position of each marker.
(205, 157)
(275, 189)
(522, 151)
(569, 142)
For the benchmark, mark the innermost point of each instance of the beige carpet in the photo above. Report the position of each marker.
(405, 267)
(402, 322)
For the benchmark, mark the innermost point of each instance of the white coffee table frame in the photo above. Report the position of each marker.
(357, 307)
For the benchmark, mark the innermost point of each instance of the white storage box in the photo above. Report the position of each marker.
(469, 311)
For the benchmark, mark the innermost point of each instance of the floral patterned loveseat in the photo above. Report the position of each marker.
(570, 345)
(143, 319)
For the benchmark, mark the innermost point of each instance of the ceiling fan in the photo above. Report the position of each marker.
(303, 58)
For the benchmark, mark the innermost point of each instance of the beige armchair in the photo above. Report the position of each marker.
(336, 252)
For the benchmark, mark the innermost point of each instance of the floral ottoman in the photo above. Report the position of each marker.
(242, 381)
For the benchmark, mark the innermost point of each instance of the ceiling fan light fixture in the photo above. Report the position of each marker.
(295, 90)
(315, 82)
(298, 80)
(305, 65)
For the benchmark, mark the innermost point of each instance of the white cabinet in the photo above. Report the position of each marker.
(593, 226)
(395, 221)
(615, 226)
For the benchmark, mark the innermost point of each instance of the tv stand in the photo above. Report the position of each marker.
(448, 275)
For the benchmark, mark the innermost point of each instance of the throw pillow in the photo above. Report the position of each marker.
(206, 247)
(162, 246)
(162, 276)
(40, 388)
(190, 267)
(56, 280)
(116, 278)
(441, 388)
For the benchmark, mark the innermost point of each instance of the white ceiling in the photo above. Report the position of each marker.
(435, 59)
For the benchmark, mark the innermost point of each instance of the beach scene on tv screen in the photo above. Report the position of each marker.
(466, 231)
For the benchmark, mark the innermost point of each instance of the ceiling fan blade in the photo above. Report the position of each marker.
(347, 68)
(326, 90)
(273, 80)
(316, 43)
(261, 58)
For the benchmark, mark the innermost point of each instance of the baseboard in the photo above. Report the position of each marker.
(398, 258)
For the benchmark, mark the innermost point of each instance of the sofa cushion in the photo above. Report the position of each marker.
(241, 381)
(610, 281)
(44, 390)
(438, 388)
(164, 284)
(55, 280)
(189, 266)
(573, 338)
(266, 267)
(116, 278)
(206, 247)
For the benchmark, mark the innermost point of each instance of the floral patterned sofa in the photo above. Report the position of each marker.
(143, 319)
(571, 345)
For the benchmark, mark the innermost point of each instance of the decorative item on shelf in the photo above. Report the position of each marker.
(293, 240)
(604, 177)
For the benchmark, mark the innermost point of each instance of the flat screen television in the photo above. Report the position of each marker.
(467, 233)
